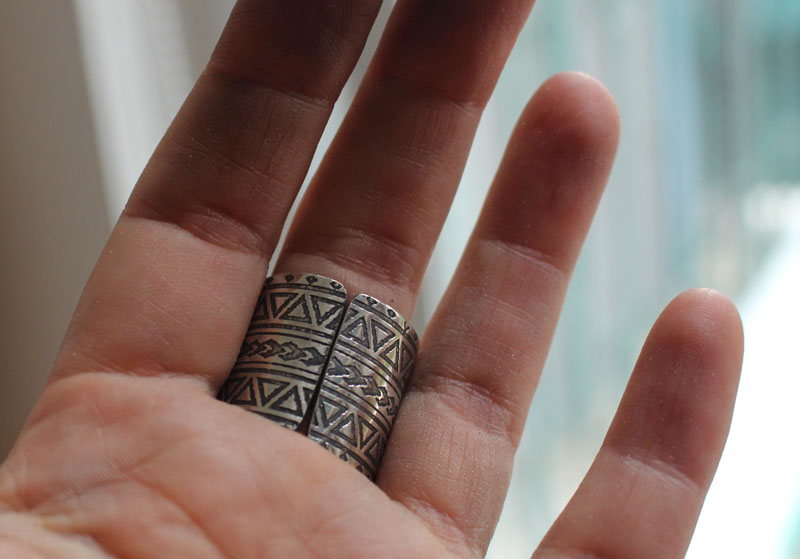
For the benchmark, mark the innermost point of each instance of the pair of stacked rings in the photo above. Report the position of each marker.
(330, 370)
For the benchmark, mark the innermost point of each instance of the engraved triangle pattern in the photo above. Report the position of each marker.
(310, 361)
(363, 383)
(286, 347)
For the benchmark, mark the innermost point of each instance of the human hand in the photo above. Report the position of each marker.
(128, 453)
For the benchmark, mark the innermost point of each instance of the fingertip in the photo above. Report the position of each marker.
(554, 170)
(716, 306)
(584, 89)
(564, 146)
(643, 493)
(707, 323)
(578, 108)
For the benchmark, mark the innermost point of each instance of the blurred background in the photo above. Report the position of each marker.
(705, 191)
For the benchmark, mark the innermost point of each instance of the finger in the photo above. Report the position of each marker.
(453, 443)
(175, 287)
(642, 495)
(373, 212)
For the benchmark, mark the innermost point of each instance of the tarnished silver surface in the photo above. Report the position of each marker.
(364, 383)
(336, 374)
(286, 347)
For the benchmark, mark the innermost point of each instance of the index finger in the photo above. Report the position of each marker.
(176, 284)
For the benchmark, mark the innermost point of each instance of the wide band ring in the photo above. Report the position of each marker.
(327, 369)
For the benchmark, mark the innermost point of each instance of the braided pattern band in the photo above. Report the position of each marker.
(332, 371)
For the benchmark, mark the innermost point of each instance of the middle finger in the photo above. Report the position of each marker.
(375, 208)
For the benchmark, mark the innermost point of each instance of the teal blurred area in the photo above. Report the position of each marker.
(705, 192)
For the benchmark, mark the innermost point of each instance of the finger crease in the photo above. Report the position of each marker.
(550, 552)
(219, 71)
(398, 268)
(214, 227)
(537, 258)
(445, 524)
(451, 388)
(469, 106)
(644, 459)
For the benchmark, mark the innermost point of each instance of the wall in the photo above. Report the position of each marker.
(52, 213)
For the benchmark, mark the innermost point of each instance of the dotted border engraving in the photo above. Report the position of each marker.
(314, 364)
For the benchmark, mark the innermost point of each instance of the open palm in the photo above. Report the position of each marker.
(128, 453)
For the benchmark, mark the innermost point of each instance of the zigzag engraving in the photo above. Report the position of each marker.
(353, 377)
(334, 370)
(287, 351)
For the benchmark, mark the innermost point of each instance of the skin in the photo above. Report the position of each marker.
(128, 454)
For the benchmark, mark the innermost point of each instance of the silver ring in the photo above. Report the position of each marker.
(332, 371)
